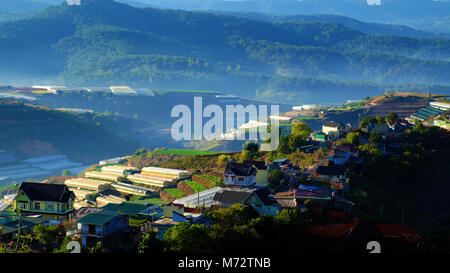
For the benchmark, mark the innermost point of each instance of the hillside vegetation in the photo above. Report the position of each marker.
(33, 131)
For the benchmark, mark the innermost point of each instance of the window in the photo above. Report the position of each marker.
(50, 206)
(23, 205)
(37, 205)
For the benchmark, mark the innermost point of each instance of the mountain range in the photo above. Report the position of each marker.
(105, 42)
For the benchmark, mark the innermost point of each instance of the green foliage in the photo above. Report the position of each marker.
(252, 147)
(187, 238)
(215, 180)
(222, 160)
(67, 173)
(233, 230)
(150, 244)
(184, 152)
(367, 120)
(197, 187)
(246, 155)
(47, 234)
(63, 248)
(77, 136)
(175, 193)
(274, 179)
(375, 137)
(353, 138)
(392, 185)
(391, 118)
(301, 130)
(290, 143)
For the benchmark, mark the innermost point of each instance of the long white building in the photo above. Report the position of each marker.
(201, 199)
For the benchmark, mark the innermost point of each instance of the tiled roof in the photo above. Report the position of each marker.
(332, 124)
(240, 169)
(312, 194)
(330, 230)
(263, 195)
(397, 231)
(232, 196)
(260, 165)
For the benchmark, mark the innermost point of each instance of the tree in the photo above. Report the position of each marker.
(47, 235)
(353, 138)
(301, 129)
(295, 142)
(252, 147)
(150, 243)
(274, 178)
(367, 120)
(187, 238)
(223, 159)
(391, 118)
(67, 173)
(245, 155)
(380, 120)
(283, 146)
(375, 137)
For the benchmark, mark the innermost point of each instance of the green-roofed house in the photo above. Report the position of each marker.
(319, 136)
(10, 229)
(136, 210)
(98, 225)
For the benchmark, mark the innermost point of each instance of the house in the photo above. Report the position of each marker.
(52, 201)
(240, 174)
(340, 155)
(175, 214)
(319, 197)
(319, 136)
(281, 161)
(99, 225)
(259, 199)
(381, 128)
(10, 227)
(332, 128)
(331, 173)
(262, 173)
(286, 199)
(200, 199)
(134, 210)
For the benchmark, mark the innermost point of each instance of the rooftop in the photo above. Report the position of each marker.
(240, 169)
(100, 218)
(46, 192)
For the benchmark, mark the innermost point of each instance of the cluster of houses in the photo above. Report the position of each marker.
(320, 187)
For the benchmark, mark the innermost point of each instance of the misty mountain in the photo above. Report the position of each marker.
(369, 28)
(423, 14)
(105, 42)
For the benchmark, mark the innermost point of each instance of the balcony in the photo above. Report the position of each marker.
(47, 211)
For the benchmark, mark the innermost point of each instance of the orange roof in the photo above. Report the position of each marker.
(397, 231)
(330, 230)
(337, 214)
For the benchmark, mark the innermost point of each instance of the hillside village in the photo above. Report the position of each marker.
(311, 187)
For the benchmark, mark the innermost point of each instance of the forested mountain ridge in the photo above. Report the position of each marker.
(105, 42)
